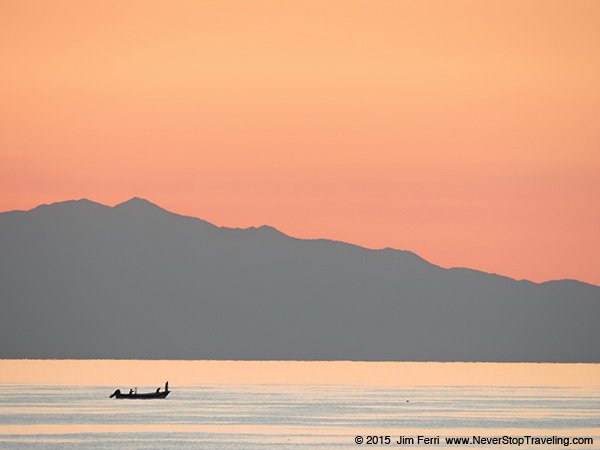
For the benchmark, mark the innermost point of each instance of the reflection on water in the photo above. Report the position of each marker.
(276, 414)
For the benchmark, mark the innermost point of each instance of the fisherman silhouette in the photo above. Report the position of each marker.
(116, 393)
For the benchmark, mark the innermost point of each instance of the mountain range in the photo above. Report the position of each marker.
(79, 279)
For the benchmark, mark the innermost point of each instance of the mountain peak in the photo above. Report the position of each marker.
(137, 202)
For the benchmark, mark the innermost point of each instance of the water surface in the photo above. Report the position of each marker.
(255, 405)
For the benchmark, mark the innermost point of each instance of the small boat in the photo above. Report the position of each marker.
(133, 394)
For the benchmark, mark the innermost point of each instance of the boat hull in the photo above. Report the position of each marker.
(147, 396)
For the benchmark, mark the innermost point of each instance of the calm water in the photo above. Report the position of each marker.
(318, 414)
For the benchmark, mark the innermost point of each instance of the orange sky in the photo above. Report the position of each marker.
(88, 372)
(466, 131)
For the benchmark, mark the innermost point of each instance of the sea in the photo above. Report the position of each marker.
(65, 404)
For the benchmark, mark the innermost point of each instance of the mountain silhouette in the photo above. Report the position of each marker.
(83, 280)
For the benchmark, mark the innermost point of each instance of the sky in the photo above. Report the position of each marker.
(295, 374)
(465, 131)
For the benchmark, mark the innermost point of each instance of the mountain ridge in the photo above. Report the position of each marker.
(85, 280)
(136, 201)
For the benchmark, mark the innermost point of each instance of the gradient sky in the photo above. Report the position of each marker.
(465, 131)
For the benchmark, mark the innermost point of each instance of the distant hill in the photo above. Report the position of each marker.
(82, 280)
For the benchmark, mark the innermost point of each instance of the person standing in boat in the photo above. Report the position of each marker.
(167, 386)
